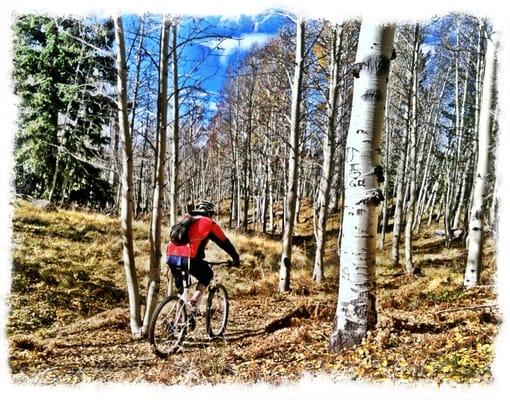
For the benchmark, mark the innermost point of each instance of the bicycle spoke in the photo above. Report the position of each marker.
(168, 327)
(217, 311)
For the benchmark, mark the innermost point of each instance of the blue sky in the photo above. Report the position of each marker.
(243, 33)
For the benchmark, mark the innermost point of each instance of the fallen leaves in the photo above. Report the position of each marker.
(67, 333)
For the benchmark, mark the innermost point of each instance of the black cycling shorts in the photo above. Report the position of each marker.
(198, 268)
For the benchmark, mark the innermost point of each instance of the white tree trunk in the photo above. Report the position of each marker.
(285, 263)
(157, 203)
(432, 138)
(384, 216)
(423, 187)
(329, 150)
(429, 207)
(399, 201)
(411, 205)
(174, 153)
(476, 224)
(455, 201)
(464, 182)
(356, 313)
(126, 200)
(493, 212)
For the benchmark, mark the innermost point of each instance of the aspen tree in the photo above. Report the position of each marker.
(136, 90)
(387, 137)
(413, 124)
(329, 148)
(476, 223)
(399, 201)
(174, 150)
(157, 203)
(292, 179)
(126, 199)
(356, 313)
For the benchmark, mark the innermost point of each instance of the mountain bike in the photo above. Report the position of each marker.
(174, 317)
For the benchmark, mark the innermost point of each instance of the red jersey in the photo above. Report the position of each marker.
(200, 231)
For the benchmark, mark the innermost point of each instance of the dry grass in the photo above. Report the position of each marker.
(68, 311)
(260, 259)
(66, 263)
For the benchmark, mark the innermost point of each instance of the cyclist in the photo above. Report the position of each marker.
(200, 231)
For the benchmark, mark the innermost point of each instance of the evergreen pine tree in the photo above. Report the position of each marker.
(64, 73)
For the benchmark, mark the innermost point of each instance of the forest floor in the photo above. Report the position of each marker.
(69, 319)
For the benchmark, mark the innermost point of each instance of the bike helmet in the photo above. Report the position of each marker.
(205, 207)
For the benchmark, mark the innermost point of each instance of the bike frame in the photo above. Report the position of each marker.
(183, 316)
(186, 280)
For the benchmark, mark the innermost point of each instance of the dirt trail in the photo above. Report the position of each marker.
(267, 339)
(69, 319)
(101, 348)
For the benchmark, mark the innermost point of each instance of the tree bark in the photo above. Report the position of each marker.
(356, 312)
(285, 263)
(412, 155)
(126, 203)
(174, 151)
(329, 149)
(157, 203)
(138, 208)
(399, 202)
(247, 161)
(430, 156)
(387, 137)
(476, 225)
(137, 78)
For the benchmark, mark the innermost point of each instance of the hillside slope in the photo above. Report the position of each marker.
(69, 320)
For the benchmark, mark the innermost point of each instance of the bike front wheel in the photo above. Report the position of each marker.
(216, 315)
(168, 326)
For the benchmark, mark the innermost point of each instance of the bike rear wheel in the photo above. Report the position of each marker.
(216, 316)
(168, 326)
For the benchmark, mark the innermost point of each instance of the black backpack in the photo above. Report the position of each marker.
(179, 231)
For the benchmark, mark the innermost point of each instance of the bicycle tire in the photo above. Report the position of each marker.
(168, 326)
(216, 315)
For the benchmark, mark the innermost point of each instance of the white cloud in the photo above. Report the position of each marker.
(228, 46)
(428, 48)
(213, 106)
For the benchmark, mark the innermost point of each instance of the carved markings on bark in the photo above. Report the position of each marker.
(356, 313)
